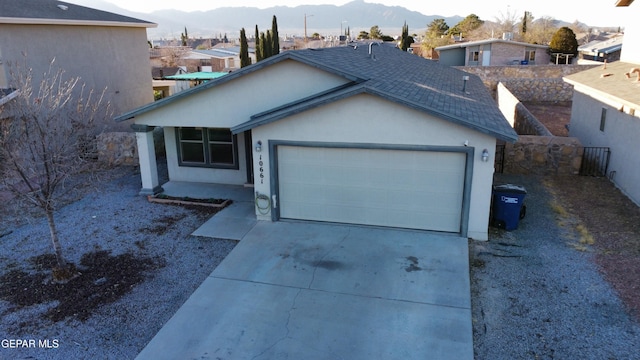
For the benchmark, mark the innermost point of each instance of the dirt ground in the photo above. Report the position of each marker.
(554, 115)
(608, 224)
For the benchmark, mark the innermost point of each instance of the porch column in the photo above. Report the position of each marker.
(147, 156)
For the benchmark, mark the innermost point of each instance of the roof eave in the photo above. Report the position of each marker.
(489, 41)
(360, 88)
(620, 3)
(288, 55)
(600, 94)
(454, 119)
(284, 111)
(68, 22)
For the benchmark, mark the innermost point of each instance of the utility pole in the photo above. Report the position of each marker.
(305, 26)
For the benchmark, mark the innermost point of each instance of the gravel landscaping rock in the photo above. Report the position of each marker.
(112, 223)
(537, 295)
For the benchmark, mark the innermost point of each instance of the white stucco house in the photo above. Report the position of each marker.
(606, 111)
(362, 134)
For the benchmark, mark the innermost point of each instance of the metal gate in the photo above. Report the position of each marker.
(498, 163)
(595, 161)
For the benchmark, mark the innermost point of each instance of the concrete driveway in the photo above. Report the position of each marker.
(294, 290)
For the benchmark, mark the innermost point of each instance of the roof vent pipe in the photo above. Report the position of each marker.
(371, 49)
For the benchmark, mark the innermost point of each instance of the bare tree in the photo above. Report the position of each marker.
(174, 55)
(505, 25)
(45, 136)
(541, 31)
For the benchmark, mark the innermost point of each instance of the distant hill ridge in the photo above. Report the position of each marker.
(323, 19)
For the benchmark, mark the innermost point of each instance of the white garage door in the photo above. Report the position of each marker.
(395, 188)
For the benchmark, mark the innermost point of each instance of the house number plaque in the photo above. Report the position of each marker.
(261, 163)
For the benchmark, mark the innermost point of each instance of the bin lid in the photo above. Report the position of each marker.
(510, 188)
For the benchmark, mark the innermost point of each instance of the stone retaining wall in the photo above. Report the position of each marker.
(537, 151)
(117, 148)
(530, 82)
(543, 155)
(540, 90)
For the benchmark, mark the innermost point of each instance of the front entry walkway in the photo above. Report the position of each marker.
(232, 222)
(294, 290)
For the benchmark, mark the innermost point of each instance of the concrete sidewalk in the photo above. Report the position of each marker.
(317, 291)
(232, 222)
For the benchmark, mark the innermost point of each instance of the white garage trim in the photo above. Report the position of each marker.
(426, 208)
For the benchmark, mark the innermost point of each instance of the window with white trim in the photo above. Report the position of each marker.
(474, 55)
(207, 147)
(530, 55)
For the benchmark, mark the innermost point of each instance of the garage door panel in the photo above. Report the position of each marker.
(396, 188)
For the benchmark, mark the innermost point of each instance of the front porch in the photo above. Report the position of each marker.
(237, 172)
(196, 190)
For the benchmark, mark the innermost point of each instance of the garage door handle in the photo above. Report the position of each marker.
(274, 201)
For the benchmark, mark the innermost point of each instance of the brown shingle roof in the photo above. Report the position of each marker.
(611, 81)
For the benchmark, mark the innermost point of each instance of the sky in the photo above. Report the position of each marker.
(593, 13)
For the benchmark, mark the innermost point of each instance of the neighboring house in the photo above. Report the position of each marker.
(493, 52)
(162, 87)
(602, 50)
(197, 78)
(168, 56)
(105, 50)
(417, 49)
(606, 112)
(160, 73)
(364, 134)
(215, 60)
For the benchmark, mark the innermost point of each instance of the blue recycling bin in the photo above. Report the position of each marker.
(508, 206)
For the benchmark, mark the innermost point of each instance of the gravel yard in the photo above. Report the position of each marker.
(537, 292)
(130, 243)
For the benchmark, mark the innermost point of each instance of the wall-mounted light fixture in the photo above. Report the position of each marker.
(259, 146)
(485, 155)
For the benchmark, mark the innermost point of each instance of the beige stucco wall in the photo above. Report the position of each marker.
(113, 57)
(507, 103)
(620, 134)
(253, 93)
(630, 49)
(215, 108)
(369, 119)
(363, 118)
